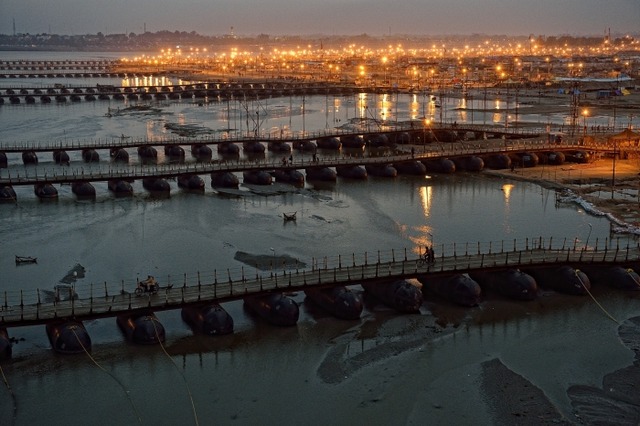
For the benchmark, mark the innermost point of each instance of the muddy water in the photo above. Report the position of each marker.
(383, 369)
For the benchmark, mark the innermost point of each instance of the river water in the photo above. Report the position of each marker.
(385, 368)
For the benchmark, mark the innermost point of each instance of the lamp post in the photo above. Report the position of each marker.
(384, 64)
(585, 113)
(613, 168)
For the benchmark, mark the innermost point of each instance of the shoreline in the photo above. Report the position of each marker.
(590, 186)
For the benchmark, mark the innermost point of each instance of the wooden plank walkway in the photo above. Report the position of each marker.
(238, 138)
(27, 308)
(108, 171)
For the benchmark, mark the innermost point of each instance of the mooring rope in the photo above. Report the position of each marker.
(193, 406)
(594, 299)
(13, 395)
(629, 271)
(126, 392)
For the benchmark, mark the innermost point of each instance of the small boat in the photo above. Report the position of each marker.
(26, 259)
(289, 216)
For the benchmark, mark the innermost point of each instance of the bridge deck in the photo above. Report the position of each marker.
(124, 142)
(28, 309)
(101, 172)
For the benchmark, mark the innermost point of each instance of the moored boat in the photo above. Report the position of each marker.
(25, 259)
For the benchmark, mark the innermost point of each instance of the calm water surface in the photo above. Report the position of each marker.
(269, 375)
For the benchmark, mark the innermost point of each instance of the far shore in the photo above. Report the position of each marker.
(593, 182)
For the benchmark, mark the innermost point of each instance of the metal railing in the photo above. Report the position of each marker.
(109, 299)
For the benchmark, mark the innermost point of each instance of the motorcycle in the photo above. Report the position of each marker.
(150, 285)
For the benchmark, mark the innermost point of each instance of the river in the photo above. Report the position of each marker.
(385, 368)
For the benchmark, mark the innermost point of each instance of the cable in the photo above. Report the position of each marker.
(193, 407)
(629, 271)
(112, 376)
(594, 299)
(13, 395)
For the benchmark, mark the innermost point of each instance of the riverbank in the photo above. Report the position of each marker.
(592, 184)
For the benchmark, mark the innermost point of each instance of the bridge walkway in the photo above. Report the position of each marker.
(27, 308)
(112, 171)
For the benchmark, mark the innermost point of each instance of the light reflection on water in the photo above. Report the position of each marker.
(263, 369)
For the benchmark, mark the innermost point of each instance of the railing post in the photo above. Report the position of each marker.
(378, 256)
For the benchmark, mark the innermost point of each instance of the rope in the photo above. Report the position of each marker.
(13, 395)
(126, 392)
(193, 406)
(629, 271)
(594, 299)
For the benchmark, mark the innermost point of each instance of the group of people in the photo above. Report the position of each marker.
(290, 160)
(429, 254)
(285, 162)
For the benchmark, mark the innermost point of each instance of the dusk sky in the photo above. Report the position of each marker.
(331, 17)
